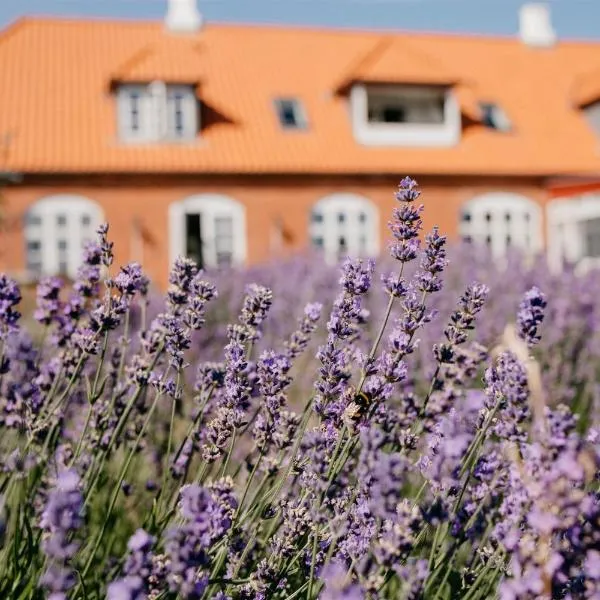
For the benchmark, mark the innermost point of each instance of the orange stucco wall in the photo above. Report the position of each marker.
(125, 199)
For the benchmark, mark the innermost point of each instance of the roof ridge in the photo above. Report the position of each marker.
(299, 27)
(135, 59)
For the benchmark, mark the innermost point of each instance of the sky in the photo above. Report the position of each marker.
(571, 18)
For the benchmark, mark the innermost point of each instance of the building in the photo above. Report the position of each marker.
(232, 144)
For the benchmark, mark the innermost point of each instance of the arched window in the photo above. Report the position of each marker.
(56, 229)
(345, 225)
(502, 221)
(574, 231)
(210, 229)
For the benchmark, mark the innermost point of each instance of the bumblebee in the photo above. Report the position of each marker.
(359, 407)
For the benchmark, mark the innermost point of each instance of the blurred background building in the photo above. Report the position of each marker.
(233, 144)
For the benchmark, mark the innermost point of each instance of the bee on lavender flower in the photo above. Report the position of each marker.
(358, 408)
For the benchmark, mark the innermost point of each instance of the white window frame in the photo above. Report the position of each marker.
(565, 235)
(526, 235)
(155, 107)
(403, 134)
(330, 229)
(210, 206)
(49, 233)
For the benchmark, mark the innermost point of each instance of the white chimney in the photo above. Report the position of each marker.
(535, 25)
(183, 16)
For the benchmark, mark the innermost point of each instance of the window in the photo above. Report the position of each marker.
(157, 112)
(502, 221)
(591, 236)
(290, 113)
(574, 231)
(404, 115)
(494, 117)
(344, 225)
(210, 229)
(56, 229)
(403, 106)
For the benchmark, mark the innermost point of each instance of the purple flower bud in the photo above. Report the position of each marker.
(530, 316)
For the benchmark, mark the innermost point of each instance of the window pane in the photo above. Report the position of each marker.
(403, 106)
(134, 111)
(62, 245)
(362, 217)
(488, 217)
(178, 110)
(507, 217)
(61, 220)
(341, 217)
(290, 113)
(316, 216)
(32, 220)
(224, 259)
(224, 241)
(86, 220)
(591, 233)
(466, 216)
(181, 120)
(317, 242)
(194, 246)
(34, 256)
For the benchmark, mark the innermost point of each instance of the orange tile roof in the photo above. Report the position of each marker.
(57, 114)
(173, 59)
(394, 59)
(586, 88)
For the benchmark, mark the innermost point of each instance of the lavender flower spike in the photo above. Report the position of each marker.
(62, 517)
(530, 316)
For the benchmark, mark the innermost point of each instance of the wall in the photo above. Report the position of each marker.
(289, 198)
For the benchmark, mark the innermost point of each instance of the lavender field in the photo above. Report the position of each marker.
(426, 426)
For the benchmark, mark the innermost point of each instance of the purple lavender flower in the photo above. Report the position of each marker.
(298, 341)
(106, 247)
(207, 514)
(338, 586)
(506, 384)
(181, 277)
(60, 520)
(48, 299)
(131, 280)
(200, 293)
(10, 296)
(406, 222)
(137, 569)
(432, 264)
(531, 315)
(257, 303)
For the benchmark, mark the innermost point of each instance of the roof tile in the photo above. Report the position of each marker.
(57, 113)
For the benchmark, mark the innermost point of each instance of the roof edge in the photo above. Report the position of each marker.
(300, 27)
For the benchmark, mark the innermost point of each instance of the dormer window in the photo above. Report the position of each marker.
(404, 115)
(290, 113)
(157, 112)
(397, 106)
